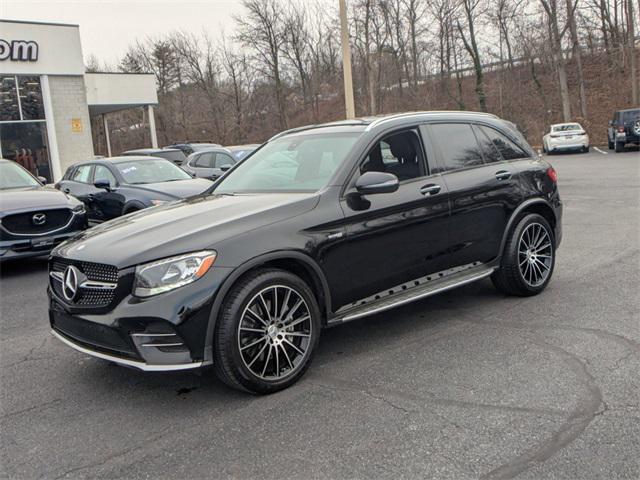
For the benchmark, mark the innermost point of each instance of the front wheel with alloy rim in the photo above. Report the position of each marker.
(528, 258)
(267, 332)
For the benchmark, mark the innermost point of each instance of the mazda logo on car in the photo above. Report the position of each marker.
(39, 219)
(70, 283)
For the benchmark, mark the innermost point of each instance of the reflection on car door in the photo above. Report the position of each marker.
(395, 237)
(106, 204)
(482, 188)
(79, 185)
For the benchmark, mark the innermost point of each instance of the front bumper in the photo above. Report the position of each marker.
(166, 332)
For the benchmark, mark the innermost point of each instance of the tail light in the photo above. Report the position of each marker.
(552, 174)
(621, 129)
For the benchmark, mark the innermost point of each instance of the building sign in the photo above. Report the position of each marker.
(76, 125)
(18, 50)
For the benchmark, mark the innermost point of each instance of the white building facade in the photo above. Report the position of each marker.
(47, 100)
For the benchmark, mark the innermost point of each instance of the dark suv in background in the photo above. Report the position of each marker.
(624, 129)
(320, 226)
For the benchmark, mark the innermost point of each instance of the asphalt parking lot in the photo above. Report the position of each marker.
(468, 384)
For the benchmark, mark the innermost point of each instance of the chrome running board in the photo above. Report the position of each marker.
(411, 291)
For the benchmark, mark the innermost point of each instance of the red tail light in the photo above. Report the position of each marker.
(621, 129)
(552, 174)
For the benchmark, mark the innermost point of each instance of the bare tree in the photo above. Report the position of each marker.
(468, 35)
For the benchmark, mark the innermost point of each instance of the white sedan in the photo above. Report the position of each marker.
(564, 137)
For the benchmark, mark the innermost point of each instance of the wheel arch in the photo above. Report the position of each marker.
(296, 262)
(533, 205)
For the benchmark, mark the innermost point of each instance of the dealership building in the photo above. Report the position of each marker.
(47, 101)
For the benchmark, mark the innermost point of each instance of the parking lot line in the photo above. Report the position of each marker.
(600, 151)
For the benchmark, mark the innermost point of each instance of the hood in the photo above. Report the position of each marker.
(177, 189)
(189, 225)
(33, 198)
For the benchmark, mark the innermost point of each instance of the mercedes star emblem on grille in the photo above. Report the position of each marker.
(70, 283)
(39, 219)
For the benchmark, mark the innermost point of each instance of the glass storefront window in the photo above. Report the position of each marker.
(26, 144)
(30, 98)
(9, 106)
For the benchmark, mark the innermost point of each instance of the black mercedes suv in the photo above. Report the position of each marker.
(321, 225)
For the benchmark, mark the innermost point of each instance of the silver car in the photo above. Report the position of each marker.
(213, 162)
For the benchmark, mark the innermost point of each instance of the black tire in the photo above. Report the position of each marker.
(585, 150)
(544, 149)
(230, 362)
(509, 278)
(611, 145)
(619, 147)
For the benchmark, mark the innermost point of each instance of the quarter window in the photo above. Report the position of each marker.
(82, 174)
(399, 153)
(458, 146)
(508, 149)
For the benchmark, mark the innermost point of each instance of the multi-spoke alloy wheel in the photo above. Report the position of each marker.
(274, 332)
(267, 331)
(528, 258)
(535, 254)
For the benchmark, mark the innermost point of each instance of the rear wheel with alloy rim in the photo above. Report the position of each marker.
(528, 259)
(268, 330)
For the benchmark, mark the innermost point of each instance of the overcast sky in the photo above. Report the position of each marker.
(108, 27)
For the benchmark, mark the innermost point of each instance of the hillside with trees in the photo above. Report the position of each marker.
(279, 65)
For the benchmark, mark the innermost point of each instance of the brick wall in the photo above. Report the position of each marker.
(69, 102)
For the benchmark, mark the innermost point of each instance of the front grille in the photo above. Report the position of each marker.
(26, 223)
(88, 297)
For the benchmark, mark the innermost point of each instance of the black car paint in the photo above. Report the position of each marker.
(345, 246)
(33, 200)
(105, 204)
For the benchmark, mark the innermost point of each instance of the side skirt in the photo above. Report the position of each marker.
(411, 291)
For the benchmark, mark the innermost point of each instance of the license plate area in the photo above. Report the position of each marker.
(42, 242)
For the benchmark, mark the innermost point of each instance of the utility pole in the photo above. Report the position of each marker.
(346, 62)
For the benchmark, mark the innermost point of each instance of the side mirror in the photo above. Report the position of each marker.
(42, 179)
(371, 183)
(225, 167)
(103, 184)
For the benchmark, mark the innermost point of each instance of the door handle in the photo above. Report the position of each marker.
(503, 175)
(430, 189)
(66, 190)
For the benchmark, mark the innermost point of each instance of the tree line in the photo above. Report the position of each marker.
(279, 64)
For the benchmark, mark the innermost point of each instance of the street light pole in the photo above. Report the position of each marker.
(346, 62)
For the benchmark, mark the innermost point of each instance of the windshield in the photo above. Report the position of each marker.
(567, 128)
(150, 171)
(14, 176)
(293, 163)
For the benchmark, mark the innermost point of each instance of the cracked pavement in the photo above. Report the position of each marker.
(467, 384)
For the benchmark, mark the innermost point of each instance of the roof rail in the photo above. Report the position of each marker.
(355, 121)
(426, 112)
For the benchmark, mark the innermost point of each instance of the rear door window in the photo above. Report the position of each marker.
(82, 174)
(458, 146)
(508, 149)
(489, 150)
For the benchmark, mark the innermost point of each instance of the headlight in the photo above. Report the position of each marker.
(168, 274)
(155, 203)
(79, 208)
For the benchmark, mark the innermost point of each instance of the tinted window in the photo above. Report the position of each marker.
(508, 149)
(175, 156)
(630, 115)
(458, 145)
(205, 160)
(302, 162)
(82, 174)
(151, 171)
(223, 159)
(399, 153)
(489, 150)
(103, 173)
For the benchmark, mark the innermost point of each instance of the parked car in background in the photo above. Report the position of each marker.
(174, 155)
(624, 129)
(34, 218)
(188, 148)
(563, 137)
(210, 163)
(322, 225)
(116, 186)
(241, 151)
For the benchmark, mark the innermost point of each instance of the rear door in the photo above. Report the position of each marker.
(482, 188)
(397, 237)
